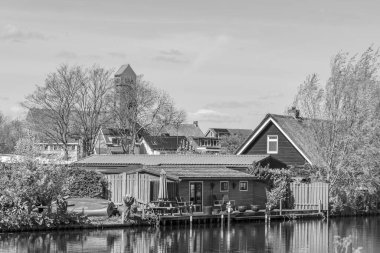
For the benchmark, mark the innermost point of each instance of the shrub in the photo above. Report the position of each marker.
(84, 183)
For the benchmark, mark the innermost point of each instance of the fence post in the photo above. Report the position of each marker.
(280, 206)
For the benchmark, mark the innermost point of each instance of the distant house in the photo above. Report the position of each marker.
(110, 140)
(220, 132)
(183, 130)
(286, 138)
(204, 145)
(156, 145)
(54, 150)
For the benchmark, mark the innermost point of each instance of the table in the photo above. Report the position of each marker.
(162, 207)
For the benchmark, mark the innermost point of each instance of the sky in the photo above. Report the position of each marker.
(226, 63)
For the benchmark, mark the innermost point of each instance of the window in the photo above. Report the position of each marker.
(243, 185)
(224, 186)
(272, 144)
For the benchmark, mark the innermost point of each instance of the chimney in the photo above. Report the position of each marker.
(195, 123)
(293, 111)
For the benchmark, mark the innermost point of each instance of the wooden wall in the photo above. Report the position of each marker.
(287, 153)
(256, 193)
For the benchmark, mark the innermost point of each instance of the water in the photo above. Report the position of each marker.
(293, 236)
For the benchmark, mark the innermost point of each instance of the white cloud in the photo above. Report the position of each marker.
(14, 34)
(209, 115)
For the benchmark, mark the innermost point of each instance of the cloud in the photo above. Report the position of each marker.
(229, 104)
(255, 102)
(117, 55)
(14, 34)
(171, 56)
(4, 98)
(171, 52)
(213, 116)
(67, 55)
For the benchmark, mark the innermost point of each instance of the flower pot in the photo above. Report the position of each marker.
(255, 208)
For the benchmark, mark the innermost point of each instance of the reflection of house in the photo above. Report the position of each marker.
(201, 174)
(155, 145)
(286, 138)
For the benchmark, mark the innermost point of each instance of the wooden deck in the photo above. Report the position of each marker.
(202, 218)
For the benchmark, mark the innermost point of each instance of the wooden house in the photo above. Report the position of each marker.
(200, 185)
(287, 138)
(207, 177)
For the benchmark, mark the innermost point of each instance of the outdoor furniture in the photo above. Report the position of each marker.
(220, 204)
(162, 207)
(180, 202)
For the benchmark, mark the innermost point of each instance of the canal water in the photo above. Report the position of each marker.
(290, 236)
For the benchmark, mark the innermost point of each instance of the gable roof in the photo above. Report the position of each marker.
(297, 131)
(169, 143)
(170, 159)
(197, 172)
(183, 130)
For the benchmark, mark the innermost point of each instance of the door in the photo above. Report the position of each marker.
(196, 195)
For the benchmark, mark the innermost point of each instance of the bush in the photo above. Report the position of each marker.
(83, 183)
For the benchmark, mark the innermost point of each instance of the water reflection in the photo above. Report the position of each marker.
(296, 236)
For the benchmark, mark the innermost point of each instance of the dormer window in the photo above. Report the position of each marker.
(272, 144)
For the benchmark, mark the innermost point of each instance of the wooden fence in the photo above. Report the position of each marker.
(140, 186)
(309, 196)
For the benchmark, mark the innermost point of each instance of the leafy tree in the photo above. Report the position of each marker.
(344, 118)
(230, 143)
(10, 132)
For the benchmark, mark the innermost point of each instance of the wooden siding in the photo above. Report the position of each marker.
(287, 153)
(256, 193)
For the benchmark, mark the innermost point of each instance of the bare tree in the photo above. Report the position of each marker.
(144, 108)
(92, 105)
(345, 122)
(51, 106)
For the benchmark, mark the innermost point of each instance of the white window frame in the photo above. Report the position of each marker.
(240, 188)
(220, 186)
(272, 140)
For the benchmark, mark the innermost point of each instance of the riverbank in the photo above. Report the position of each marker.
(99, 223)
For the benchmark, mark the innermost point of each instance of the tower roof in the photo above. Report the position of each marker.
(125, 69)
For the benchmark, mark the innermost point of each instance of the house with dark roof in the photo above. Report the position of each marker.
(156, 145)
(287, 138)
(183, 130)
(110, 140)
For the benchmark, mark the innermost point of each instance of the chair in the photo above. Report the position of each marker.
(217, 202)
(180, 201)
